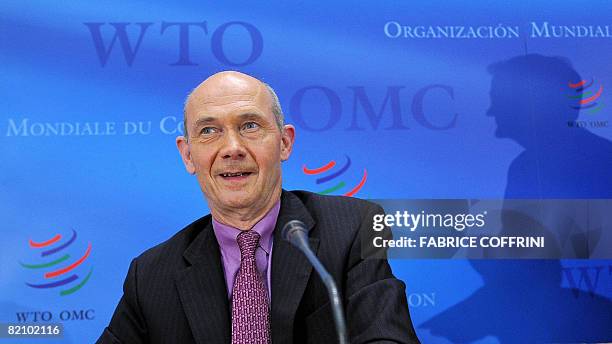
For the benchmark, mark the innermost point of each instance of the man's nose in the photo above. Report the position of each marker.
(233, 146)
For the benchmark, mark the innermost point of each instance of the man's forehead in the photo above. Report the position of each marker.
(227, 92)
(224, 102)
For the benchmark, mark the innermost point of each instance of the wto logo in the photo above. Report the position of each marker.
(588, 99)
(341, 184)
(588, 102)
(57, 266)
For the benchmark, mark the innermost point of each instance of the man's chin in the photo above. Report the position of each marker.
(237, 199)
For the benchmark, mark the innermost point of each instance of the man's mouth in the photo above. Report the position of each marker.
(235, 175)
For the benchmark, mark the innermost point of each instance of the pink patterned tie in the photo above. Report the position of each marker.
(250, 311)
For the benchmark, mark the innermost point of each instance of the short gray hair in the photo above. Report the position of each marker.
(276, 109)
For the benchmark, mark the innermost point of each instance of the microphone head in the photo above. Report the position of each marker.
(291, 227)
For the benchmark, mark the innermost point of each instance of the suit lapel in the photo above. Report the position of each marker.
(202, 290)
(290, 269)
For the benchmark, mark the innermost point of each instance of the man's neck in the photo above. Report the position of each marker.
(245, 218)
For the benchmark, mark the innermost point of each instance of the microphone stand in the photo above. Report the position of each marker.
(296, 233)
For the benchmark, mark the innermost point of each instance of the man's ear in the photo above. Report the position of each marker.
(287, 139)
(185, 151)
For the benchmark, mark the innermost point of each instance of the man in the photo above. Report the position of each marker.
(229, 277)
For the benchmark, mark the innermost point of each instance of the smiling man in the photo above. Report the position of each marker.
(229, 277)
(234, 144)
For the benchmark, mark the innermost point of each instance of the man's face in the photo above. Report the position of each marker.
(235, 147)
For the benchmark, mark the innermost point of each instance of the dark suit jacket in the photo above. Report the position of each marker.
(176, 292)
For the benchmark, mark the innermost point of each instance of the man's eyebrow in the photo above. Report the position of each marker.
(251, 115)
(204, 120)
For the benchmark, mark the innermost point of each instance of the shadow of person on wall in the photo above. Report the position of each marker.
(535, 101)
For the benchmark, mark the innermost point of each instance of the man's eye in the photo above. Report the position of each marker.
(208, 130)
(250, 126)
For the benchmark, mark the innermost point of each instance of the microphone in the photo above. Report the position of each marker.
(296, 233)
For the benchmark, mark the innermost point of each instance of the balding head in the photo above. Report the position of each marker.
(227, 83)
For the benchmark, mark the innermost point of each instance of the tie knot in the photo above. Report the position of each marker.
(247, 242)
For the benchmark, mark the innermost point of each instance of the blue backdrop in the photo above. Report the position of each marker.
(92, 99)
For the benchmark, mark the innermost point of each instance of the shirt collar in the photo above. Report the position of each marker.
(226, 234)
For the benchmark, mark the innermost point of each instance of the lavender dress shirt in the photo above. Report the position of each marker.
(230, 253)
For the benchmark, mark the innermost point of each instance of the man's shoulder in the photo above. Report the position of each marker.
(337, 212)
(171, 250)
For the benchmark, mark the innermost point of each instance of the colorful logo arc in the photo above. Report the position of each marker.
(339, 185)
(64, 271)
(588, 98)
